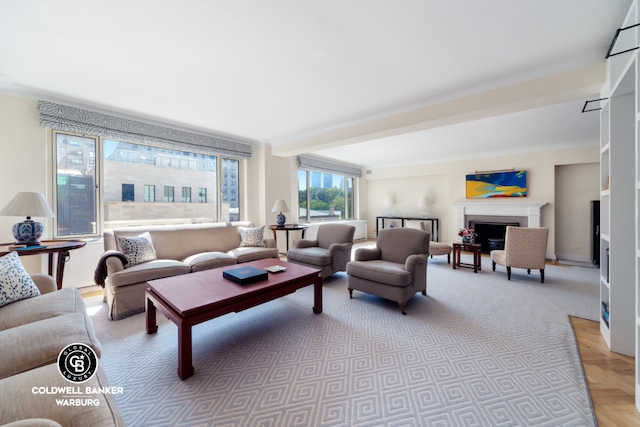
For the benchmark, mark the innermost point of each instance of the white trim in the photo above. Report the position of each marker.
(532, 210)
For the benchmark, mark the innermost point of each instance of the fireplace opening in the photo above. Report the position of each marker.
(490, 230)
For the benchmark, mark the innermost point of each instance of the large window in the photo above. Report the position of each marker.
(103, 183)
(325, 196)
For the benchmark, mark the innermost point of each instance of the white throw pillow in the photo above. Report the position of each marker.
(137, 249)
(15, 282)
(252, 237)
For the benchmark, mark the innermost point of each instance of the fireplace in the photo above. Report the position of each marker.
(496, 215)
(493, 231)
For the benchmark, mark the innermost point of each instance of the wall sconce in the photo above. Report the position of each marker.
(28, 232)
(423, 204)
(280, 206)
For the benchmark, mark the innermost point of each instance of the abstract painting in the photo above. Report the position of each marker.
(497, 184)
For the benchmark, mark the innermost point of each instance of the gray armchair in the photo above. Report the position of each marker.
(524, 247)
(395, 269)
(329, 252)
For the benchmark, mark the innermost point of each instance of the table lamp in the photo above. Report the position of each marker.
(389, 201)
(280, 206)
(28, 232)
(423, 204)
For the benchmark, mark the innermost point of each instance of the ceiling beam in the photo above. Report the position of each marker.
(579, 83)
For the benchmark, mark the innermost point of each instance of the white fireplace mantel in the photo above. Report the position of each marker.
(531, 210)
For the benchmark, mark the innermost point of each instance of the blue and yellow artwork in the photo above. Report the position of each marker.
(497, 184)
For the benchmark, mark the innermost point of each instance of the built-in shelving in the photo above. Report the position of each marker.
(620, 196)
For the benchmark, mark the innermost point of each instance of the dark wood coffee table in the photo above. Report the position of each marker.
(190, 299)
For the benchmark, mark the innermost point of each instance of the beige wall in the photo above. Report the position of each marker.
(23, 162)
(576, 186)
(444, 183)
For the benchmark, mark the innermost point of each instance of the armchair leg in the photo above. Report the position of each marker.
(449, 258)
(350, 293)
(528, 271)
(508, 273)
(402, 307)
(493, 264)
(542, 275)
(424, 292)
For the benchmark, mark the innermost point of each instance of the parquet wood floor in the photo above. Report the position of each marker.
(610, 376)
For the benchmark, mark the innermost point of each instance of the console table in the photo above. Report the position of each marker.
(435, 224)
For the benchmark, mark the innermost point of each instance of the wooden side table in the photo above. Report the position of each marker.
(475, 248)
(59, 247)
(287, 228)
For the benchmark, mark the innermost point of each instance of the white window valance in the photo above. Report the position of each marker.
(312, 163)
(78, 120)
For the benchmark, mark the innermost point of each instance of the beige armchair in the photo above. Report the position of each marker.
(395, 269)
(329, 252)
(524, 247)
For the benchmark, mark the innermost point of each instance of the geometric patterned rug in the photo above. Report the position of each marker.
(477, 351)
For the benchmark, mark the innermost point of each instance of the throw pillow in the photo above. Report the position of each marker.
(137, 249)
(252, 237)
(15, 282)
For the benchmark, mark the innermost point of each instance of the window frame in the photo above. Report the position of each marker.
(98, 163)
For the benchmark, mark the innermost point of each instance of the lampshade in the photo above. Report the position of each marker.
(280, 206)
(27, 204)
(423, 202)
(389, 201)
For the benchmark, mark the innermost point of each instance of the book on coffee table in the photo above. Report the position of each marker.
(244, 275)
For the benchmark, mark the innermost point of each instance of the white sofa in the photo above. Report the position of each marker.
(179, 249)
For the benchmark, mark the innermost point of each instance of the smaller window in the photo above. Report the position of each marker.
(168, 194)
(186, 194)
(149, 193)
(202, 195)
(128, 192)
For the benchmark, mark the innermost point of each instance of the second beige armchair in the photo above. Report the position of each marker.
(329, 252)
(524, 247)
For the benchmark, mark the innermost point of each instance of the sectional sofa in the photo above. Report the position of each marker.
(134, 255)
(33, 332)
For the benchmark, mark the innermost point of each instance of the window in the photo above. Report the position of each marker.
(149, 193)
(202, 195)
(75, 191)
(186, 194)
(324, 196)
(230, 188)
(128, 192)
(168, 193)
(119, 169)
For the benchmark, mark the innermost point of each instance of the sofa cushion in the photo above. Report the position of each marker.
(15, 283)
(209, 260)
(251, 254)
(45, 306)
(21, 406)
(137, 249)
(39, 343)
(386, 272)
(150, 270)
(312, 255)
(252, 237)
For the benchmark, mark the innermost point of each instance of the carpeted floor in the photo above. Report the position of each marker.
(477, 351)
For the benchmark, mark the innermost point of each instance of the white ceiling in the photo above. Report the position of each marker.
(372, 82)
